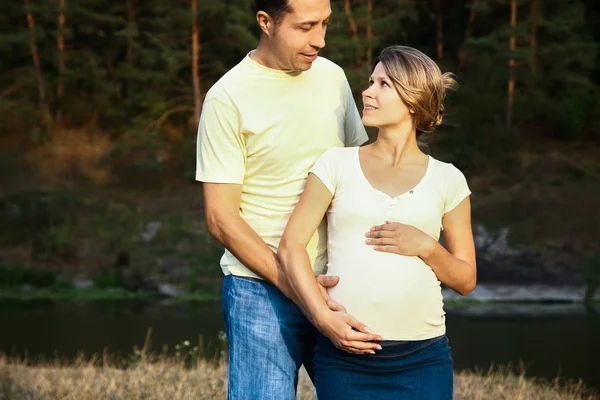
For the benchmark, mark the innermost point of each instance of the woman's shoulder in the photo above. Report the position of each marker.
(444, 168)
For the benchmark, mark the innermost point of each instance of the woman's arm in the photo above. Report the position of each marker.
(342, 329)
(454, 266)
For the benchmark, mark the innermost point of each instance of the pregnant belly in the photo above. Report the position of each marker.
(400, 300)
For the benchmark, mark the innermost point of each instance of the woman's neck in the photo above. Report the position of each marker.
(397, 145)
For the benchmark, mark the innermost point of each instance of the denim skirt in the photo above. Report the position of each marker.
(402, 370)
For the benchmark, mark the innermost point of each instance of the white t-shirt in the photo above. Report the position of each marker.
(264, 129)
(398, 297)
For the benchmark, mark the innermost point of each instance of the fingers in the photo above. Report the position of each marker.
(388, 249)
(361, 331)
(359, 343)
(381, 242)
(357, 347)
(380, 234)
(328, 280)
(334, 305)
(388, 226)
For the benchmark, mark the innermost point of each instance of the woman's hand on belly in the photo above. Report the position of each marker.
(406, 240)
(347, 333)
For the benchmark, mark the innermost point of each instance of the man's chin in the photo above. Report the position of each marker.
(305, 66)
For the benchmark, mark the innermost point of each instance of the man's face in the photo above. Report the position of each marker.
(301, 34)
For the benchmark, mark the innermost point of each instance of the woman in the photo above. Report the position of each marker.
(386, 204)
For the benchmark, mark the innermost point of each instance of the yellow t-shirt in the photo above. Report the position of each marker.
(264, 129)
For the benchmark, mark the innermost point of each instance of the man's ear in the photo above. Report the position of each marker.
(265, 22)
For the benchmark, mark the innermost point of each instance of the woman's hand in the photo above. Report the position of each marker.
(347, 333)
(406, 240)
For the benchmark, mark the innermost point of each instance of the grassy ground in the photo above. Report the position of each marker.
(168, 378)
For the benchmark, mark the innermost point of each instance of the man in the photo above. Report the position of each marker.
(263, 125)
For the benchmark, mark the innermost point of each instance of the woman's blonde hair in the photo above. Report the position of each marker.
(420, 84)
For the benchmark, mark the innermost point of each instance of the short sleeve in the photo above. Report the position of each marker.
(457, 189)
(327, 169)
(221, 148)
(354, 130)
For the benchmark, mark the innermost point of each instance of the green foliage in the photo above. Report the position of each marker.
(132, 77)
(25, 214)
(107, 278)
(592, 278)
(16, 276)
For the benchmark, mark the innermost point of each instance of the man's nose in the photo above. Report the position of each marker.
(318, 38)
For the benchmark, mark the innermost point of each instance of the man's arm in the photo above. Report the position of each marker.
(355, 133)
(222, 205)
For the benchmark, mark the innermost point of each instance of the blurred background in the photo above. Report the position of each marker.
(102, 232)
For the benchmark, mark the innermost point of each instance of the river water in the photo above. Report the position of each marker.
(550, 340)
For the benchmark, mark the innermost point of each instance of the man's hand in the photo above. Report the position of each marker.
(324, 283)
(347, 333)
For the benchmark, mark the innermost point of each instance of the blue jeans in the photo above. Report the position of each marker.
(269, 338)
(407, 370)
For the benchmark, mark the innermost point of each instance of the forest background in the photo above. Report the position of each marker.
(99, 105)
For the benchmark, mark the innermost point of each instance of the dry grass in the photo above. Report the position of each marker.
(166, 378)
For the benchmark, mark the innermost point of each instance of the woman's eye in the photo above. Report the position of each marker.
(383, 83)
(371, 82)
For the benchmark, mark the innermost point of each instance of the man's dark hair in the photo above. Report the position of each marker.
(275, 8)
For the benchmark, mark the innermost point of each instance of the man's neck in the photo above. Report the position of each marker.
(265, 57)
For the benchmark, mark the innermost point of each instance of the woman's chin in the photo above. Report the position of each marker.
(369, 122)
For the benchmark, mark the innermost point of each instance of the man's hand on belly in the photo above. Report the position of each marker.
(325, 282)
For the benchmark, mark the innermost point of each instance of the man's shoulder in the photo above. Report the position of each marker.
(322, 64)
(222, 88)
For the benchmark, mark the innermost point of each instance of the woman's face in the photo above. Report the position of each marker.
(383, 106)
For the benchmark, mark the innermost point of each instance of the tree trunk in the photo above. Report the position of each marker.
(535, 12)
(130, 37)
(195, 59)
(511, 66)
(60, 47)
(462, 53)
(37, 65)
(440, 29)
(369, 33)
(471, 21)
(353, 30)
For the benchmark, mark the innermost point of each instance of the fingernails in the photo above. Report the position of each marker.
(379, 347)
(367, 329)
